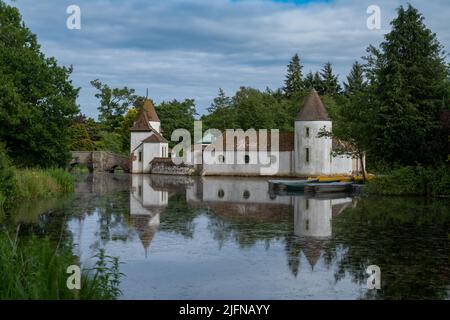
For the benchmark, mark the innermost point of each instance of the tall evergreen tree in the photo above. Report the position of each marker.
(330, 83)
(293, 85)
(355, 80)
(408, 75)
(313, 81)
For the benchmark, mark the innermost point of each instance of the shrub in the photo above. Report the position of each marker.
(6, 176)
(412, 181)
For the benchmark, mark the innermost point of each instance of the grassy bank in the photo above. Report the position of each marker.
(36, 269)
(17, 184)
(414, 181)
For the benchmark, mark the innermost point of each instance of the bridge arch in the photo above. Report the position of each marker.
(100, 161)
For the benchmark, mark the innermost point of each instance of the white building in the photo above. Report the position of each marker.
(300, 153)
(147, 142)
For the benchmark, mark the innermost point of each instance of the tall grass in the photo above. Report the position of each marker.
(36, 269)
(36, 183)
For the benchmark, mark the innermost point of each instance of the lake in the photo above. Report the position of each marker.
(229, 238)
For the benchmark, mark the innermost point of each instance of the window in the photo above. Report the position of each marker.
(221, 159)
(273, 159)
(247, 159)
(140, 156)
(307, 132)
(307, 225)
(140, 191)
(221, 193)
(246, 194)
(307, 155)
(307, 204)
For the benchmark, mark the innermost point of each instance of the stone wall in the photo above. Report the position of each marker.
(166, 166)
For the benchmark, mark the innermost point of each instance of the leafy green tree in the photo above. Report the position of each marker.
(329, 81)
(37, 98)
(114, 103)
(80, 140)
(125, 127)
(407, 92)
(176, 115)
(293, 85)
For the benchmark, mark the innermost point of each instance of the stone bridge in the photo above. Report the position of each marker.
(100, 161)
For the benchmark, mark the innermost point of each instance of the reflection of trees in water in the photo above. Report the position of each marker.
(407, 238)
(44, 217)
(178, 217)
(248, 224)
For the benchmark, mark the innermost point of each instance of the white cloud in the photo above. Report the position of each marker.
(190, 48)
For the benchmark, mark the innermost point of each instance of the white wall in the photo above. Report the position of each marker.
(342, 165)
(282, 166)
(320, 148)
(156, 125)
(224, 189)
(312, 217)
(137, 138)
(152, 150)
(144, 200)
(136, 165)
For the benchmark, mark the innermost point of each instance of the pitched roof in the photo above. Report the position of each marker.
(146, 114)
(150, 111)
(313, 109)
(155, 138)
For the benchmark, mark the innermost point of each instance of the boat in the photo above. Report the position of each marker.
(296, 185)
(329, 187)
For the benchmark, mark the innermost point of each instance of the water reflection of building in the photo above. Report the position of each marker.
(249, 197)
(146, 206)
(313, 223)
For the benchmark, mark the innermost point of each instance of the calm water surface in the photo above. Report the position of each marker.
(228, 238)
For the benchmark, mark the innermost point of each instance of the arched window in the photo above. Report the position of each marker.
(221, 193)
(247, 159)
(246, 194)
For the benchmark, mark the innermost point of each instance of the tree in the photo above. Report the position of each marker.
(407, 92)
(114, 103)
(329, 81)
(37, 98)
(125, 127)
(176, 115)
(221, 114)
(355, 80)
(293, 85)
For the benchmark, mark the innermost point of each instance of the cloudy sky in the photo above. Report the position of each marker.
(189, 48)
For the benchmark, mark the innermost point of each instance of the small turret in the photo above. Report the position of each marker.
(312, 153)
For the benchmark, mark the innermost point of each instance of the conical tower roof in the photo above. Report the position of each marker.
(146, 114)
(313, 109)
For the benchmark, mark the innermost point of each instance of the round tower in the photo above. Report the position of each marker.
(312, 153)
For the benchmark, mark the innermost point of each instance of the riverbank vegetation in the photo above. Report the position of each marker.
(18, 184)
(36, 269)
(409, 181)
